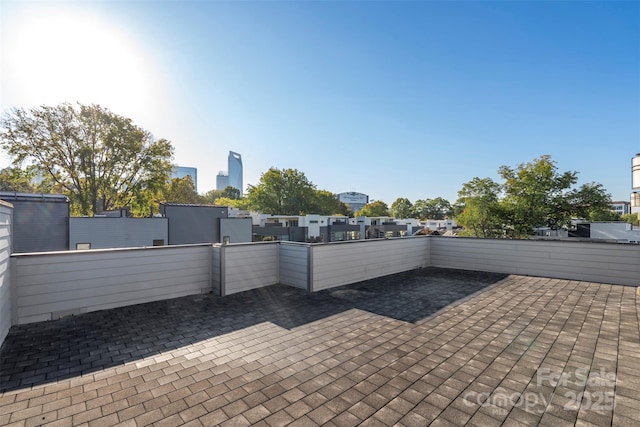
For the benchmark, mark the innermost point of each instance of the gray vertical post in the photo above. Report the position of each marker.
(310, 267)
(223, 267)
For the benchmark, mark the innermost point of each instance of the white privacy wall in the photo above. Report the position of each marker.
(589, 261)
(6, 216)
(248, 266)
(337, 264)
(54, 284)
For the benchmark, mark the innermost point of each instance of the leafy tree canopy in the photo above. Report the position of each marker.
(402, 208)
(375, 208)
(437, 208)
(18, 180)
(241, 203)
(327, 203)
(480, 212)
(181, 190)
(533, 194)
(631, 218)
(99, 159)
(228, 192)
(282, 192)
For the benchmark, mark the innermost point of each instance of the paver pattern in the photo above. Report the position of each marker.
(432, 346)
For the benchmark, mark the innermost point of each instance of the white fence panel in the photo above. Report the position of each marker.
(249, 266)
(6, 217)
(50, 285)
(597, 262)
(294, 264)
(349, 262)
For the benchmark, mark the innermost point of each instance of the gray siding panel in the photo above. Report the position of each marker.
(105, 233)
(343, 263)
(294, 264)
(193, 224)
(239, 230)
(250, 266)
(40, 226)
(50, 285)
(6, 213)
(598, 262)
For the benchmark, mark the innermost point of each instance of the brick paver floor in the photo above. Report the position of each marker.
(433, 346)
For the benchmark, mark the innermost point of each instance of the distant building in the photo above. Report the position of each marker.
(222, 180)
(235, 171)
(104, 232)
(233, 176)
(183, 171)
(40, 221)
(621, 207)
(356, 201)
(304, 228)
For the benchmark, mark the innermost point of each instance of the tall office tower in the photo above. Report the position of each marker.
(182, 171)
(235, 171)
(222, 180)
(635, 184)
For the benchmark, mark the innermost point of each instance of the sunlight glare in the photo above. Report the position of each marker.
(62, 55)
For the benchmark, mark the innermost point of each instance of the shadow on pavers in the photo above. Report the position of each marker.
(45, 352)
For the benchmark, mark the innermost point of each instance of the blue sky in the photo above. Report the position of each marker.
(392, 99)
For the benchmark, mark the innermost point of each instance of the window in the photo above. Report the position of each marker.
(83, 246)
(338, 236)
(158, 242)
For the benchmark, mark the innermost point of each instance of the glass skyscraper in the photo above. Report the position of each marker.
(235, 171)
(233, 177)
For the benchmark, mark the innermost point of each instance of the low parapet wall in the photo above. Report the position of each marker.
(613, 263)
(49, 285)
(6, 309)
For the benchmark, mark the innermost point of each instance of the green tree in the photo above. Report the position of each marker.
(481, 215)
(604, 216)
(210, 196)
(181, 190)
(631, 218)
(99, 159)
(327, 203)
(437, 208)
(230, 192)
(282, 192)
(376, 208)
(402, 208)
(591, 201)
(536, 195)
(241, 203)
(18, 180)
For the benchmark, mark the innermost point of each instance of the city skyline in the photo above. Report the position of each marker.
(388, 99)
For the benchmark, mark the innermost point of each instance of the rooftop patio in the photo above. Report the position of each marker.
(431, 345)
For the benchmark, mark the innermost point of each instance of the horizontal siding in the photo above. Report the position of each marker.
(344, 263)
(50, 285)
(125, 232)
(6, 213)
(250, 266)
(597, 262)
(294, 260)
